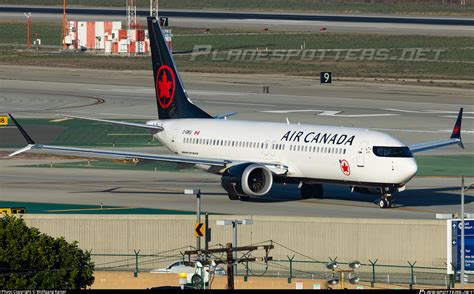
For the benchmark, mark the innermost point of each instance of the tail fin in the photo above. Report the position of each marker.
(171, 98)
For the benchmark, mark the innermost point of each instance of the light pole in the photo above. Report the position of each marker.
(234, 224)
(28, 15)
(353, 277)
(196, 192)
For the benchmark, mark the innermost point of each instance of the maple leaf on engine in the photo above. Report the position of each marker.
(164, 86)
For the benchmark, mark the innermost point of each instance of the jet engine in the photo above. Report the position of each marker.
(247, 179)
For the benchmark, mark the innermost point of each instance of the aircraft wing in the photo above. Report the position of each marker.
(218, 164)
(102, 153)
(454, 139)
(224, 115)
(123, 123)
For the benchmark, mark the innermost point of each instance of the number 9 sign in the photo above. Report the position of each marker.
(326, 77)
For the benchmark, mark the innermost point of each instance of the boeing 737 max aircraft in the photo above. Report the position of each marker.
(251, 156)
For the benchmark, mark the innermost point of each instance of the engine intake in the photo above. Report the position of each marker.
(247, 179)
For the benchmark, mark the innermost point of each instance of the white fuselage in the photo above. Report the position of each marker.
(322, 153)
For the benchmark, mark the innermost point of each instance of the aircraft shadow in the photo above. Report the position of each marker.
(443, 196)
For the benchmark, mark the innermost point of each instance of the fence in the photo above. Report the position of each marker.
(371, 271)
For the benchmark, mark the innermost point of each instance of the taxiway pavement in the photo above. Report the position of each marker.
(413, 113)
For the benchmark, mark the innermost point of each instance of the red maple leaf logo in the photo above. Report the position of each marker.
(164, 86)
(456, 130)
(345, 167)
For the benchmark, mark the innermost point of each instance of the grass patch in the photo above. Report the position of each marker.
(347, 6)
(52, 208)
(15, 32)
(456, 60)
(78, 132)
(450, 165)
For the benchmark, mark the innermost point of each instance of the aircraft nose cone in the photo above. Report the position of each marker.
(411, 169)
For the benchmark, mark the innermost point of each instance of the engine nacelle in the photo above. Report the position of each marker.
(247, 179)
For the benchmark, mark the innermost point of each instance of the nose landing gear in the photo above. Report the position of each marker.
(385, 201)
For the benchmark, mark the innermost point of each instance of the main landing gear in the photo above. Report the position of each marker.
(311, 191)
(385, 201)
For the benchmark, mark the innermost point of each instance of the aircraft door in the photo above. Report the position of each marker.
(272, 148)
(267, 152)
(361, 154)
(172, 139)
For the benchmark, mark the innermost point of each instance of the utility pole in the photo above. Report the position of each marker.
(230, 261)
(234, 244)
(198, 217)
(28, 24)
(207, 232)
(154, 8)
(230, 270)
(64, 24)
(462, 233)
(234, 224)
(196, 192)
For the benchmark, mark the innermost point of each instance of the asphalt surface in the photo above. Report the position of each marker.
(247, 15)
(409, 112)
(449, 26)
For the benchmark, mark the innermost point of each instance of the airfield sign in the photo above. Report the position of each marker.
(454, 245)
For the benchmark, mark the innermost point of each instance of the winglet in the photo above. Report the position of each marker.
(22, 131)
(456, 134)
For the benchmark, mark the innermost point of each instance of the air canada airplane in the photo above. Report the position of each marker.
(252, 156)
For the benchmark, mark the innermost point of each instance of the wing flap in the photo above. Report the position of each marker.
(103, 153)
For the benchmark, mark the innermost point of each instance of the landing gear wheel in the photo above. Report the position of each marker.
(244, 198)
(233, 196)
(385, 201)
(311, 191)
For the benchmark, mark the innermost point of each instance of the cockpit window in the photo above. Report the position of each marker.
(383, 151)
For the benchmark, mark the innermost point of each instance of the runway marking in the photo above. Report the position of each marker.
(60, 119)
(92, 209)
(134, 90)
(150, 91)
(237, 103)
(110, 113)
(426, 111)
(219, 93)
(290, 111)
(453, 116)
(330, 113)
